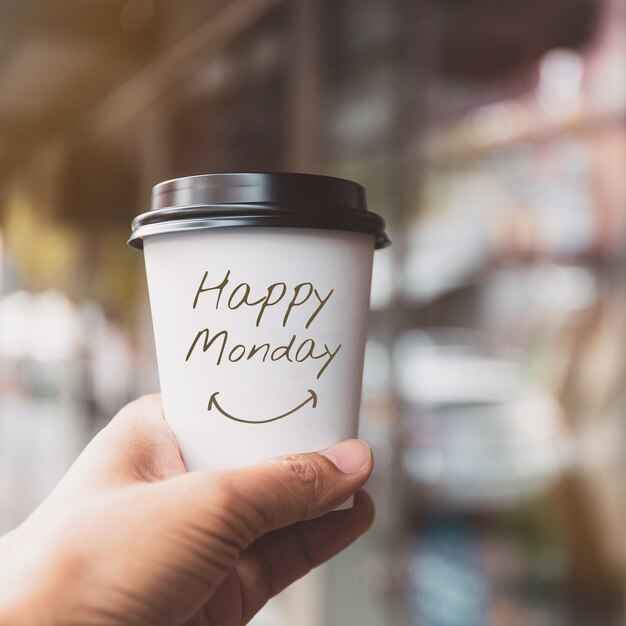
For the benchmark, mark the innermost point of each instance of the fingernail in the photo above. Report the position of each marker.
(349, 456)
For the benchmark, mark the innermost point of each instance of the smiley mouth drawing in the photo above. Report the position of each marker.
(213, 403)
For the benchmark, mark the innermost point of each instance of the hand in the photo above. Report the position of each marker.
(130, 537)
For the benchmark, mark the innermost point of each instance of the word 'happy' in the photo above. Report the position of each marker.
(278, 297)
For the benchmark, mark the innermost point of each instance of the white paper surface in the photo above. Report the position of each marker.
(303, 288)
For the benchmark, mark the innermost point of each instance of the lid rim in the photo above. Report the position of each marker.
(176, 183)
(244, 210)
(381, 240)
(258, 199)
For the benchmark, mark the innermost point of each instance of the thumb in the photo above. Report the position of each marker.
(252, 501)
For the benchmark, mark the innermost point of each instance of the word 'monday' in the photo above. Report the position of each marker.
(278, 297)
(303, 351)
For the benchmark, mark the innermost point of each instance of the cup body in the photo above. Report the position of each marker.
(260, 335)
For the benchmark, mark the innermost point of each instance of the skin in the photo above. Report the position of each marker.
(129, 537)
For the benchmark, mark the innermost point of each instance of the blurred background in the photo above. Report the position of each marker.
(490, 134)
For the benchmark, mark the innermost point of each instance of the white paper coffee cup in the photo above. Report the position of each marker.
(259, 290)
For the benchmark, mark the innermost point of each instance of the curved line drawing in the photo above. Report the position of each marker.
(214, 403)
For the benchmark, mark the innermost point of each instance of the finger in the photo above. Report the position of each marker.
(281, 557)
(253, 501)
(138, 442)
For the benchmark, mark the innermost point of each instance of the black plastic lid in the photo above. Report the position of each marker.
(258, 199)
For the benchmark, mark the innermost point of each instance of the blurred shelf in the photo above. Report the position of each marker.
(453, 146)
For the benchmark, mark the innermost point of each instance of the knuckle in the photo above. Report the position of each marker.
(220, 494)
(306, 475)
(149, 402)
